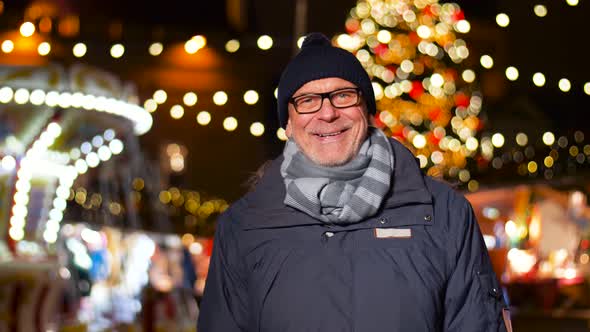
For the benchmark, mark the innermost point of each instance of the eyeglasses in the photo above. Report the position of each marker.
(312, 102)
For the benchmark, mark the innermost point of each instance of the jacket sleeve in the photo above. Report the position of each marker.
(224, 303)
(473, 299)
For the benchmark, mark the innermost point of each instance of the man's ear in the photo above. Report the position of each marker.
(288, 129)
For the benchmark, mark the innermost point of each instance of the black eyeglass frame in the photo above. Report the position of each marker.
(327, 95)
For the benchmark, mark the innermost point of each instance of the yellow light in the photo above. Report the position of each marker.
(384, 36)
(190, 99)
(187, 239)
(539, 79)
(437, 80)
(79, 50)
(160, 96)
(584, 258)
(437, 157)
(587, 88)
(464, 175)
(300, 41)
(564, 85)
(203, 118)
(220, 98)
(532, 167)
(264, 42)
(165, 196)
(419, 141)
(572, 2)
(176, 112)
(468, 75)
(377, 90)
(512, 73)
(251, 97)
(471, 143)
(423, 32)
(27, 29)
(230, 123)
(16, 234)
(548, 138)
(540, 10)
(44, 48)
(522, 139)
(473, 186)
(194, 44)
(276, 92)
(510, 228)
(502, 20)
(117, 51)
(486, 61)
(150, 105)
(498, 140)
(463, 26)
(232, 46)
(574, 151)
(281, 134)
(156, 49)
(21, 96)
(7, 46)
(423, 160)
(257, 129)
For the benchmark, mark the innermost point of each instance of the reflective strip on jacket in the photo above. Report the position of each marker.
(419, 265)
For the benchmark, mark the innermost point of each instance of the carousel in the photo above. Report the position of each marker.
(56, 124)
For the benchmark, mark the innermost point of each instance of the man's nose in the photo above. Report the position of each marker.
(328, 112)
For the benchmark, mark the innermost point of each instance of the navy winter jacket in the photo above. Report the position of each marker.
(420, 264)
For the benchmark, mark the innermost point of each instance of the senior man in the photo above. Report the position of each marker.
(343, 232)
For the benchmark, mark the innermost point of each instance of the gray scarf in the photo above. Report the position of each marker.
(342, 194)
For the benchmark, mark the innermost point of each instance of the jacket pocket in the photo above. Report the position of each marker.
(493, 299)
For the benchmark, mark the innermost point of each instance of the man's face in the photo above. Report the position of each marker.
(331, 136)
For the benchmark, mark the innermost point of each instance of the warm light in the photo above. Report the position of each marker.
(539, 79)
(564, 85)
(116, 146)
(196, 248)
(8, 163)
(548, 161)
(150, 105)
(160, 96)
(471, 143)
(572, 2)
(232, 46)
(21, 96)
(92, 159)
(190, 99)
(419, 141)
(587, 88)
(548, 138)
(510, 229)
(532, 167)
(463, 26)
(468, 75)
(300, 41)
(7, 46)
(230, 123)
(384, 36)
(79, 50)
(156, 49)
(498, 140)
(512, 73)
(27, 29)
(540, 10)
(486, 61)
(257, 129)
(281, 134)
(196, 43)
(522, 139)
(104, 153)
(44, 48)
(521, 261)
(502, 20)
(251, 97)
(176, 112)
(220, 98)
(203, 118)
(117, 51)
(264, 42)
(37, 97)
(423, 32)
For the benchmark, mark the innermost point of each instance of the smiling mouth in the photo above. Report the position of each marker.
(335, 133)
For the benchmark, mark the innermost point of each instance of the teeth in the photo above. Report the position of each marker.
(330, 134)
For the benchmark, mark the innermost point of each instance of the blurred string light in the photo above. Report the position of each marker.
(264, 42)
(27, 29)
(44, 48)
(141, 119)
(232, 45)
(117, 51)
(502, 20)
(7, 46)
(194, 44)
(79, 50)
(156, 49)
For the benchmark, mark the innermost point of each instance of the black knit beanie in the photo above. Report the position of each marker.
(319, 59)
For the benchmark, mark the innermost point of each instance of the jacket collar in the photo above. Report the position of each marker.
(264, 207)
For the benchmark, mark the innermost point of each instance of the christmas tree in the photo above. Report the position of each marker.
(425, 98)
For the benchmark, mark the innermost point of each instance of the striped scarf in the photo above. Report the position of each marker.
(342, 194)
